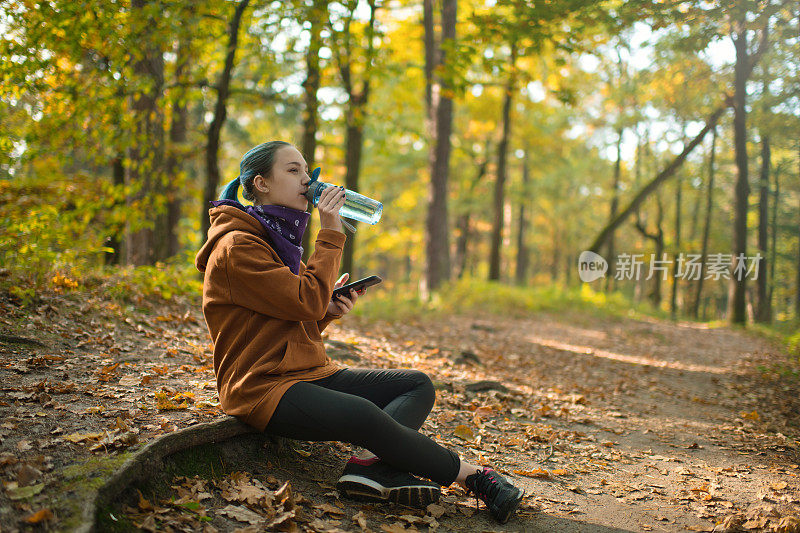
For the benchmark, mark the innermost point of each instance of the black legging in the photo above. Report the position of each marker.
(380, 410)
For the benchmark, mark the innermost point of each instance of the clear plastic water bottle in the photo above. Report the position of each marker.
(356, 206)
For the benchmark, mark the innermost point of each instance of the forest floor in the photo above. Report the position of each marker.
(609, 424)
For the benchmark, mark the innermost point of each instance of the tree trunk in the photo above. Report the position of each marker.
(355, 118)
(698, 198)
(220, 114)
(146, 152)
(440, 121)
(738, 283)
(706, 224)
(673, 300)
(658, 240)
(656, 182)
(499, 186)
(311, 85)
(522, 250)
(797, 286)
(773, 238)
(114, 241)
(175, 184)
(763, 312)
(354, 141)
(655, 297)
(614, 206)
(463, 223)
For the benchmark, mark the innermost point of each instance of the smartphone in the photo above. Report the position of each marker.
(357, 286)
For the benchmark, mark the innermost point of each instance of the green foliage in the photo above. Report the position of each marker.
(477, 297)
(162, 280)
(50, 228)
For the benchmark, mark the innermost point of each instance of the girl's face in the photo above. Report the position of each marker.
(289, 181)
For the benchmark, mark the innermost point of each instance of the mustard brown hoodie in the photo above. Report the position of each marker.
(265, 322)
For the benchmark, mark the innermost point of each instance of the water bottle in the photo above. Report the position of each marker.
(356, 206)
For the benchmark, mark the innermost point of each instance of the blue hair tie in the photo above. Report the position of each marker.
(231, 190)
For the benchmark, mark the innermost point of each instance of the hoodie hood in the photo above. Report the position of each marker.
(225, 219)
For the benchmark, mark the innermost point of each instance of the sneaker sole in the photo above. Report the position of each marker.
(361, 488)
(505, 513)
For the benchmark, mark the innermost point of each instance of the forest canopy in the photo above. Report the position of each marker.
(503, 139)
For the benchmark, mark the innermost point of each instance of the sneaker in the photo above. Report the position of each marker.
(373, 480)
(501, 497)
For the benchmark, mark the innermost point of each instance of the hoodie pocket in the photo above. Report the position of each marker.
(300, 356)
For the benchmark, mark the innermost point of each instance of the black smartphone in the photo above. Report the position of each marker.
(356, 286)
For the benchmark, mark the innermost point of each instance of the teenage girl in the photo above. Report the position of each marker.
(265, 310)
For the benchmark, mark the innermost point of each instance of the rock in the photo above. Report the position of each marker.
(467, 357)
(486, 385)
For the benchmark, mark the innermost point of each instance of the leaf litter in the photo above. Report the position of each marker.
(571, 428)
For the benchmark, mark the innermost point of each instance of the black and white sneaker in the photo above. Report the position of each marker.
(501, 497)
(373, 480)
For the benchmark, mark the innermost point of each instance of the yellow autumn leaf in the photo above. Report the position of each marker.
(463, 431)
(79, 437)
(750, 416)
(537, 472)
(559, 472)
(165, 404)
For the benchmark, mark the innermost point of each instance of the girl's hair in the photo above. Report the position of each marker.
(257, 160)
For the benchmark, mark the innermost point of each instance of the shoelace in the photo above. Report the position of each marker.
(485, 486)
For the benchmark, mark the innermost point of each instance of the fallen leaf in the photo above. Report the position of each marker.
(435, 510)
(464, 432)
(538, 472)
(281, 519)
(787, 524)
(20, 493)
(40, 516)
(144, 504)
(330, 509)
(80, 437)
(129, 381)
(27, 475)
(361, 519)
(750, 416)
(779, 485)
(164, 404)
(241, 514)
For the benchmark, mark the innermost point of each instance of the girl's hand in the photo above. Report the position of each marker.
(339, 307)
(330, 202)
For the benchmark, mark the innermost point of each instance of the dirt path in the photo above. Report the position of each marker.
(609, 424)
(646, 425)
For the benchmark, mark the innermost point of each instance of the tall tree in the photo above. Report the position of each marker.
(146, 152)
(745, 61)
(351, 68)
(500, 180)
(222, 89)
(317, 15)
(439, 112)
(763, 310)
(175, 182)
(522, 223)
(663, 176)
(706, 224)
(673, 300)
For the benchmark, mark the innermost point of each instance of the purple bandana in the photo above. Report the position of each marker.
(284, 226)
